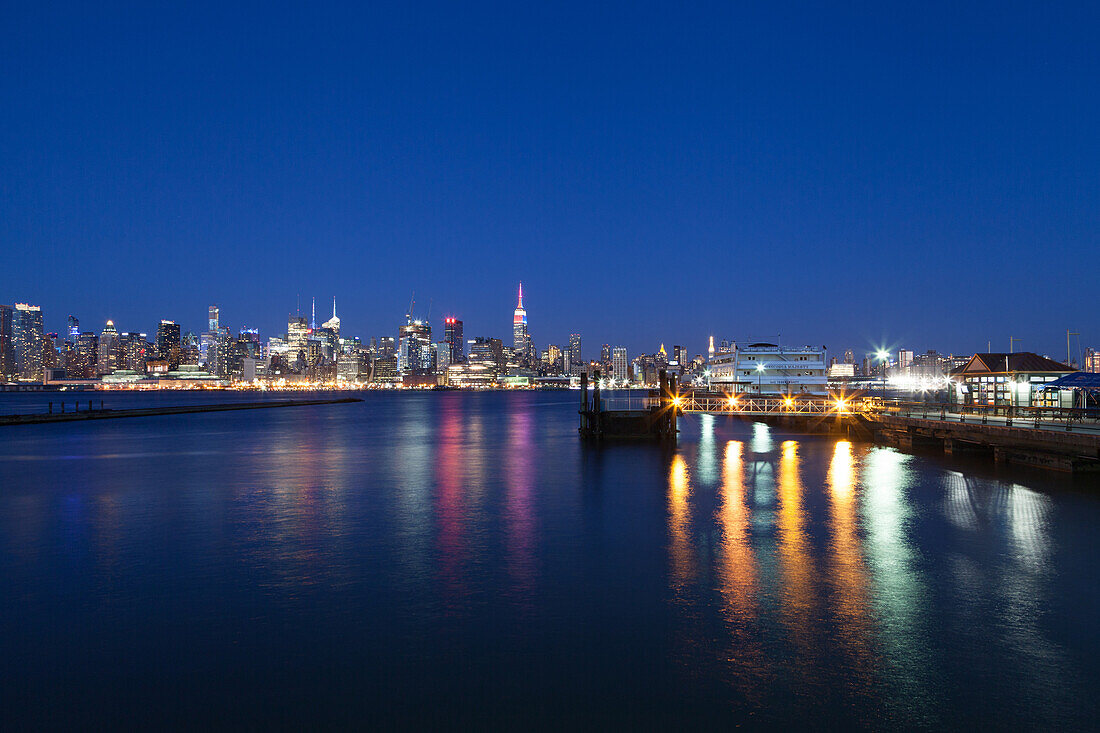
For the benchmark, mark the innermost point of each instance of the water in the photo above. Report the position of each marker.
(461, 559)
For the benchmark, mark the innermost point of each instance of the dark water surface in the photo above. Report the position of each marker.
(460, 558)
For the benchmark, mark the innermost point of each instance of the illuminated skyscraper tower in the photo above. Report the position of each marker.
(521, 340)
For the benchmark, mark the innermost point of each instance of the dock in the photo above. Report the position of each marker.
(654, 419)
(109, 414)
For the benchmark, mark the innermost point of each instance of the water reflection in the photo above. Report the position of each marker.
(450, 511)
(796, 563)
(679, 524)
(519, 510)
(898, 589)
(847, 572)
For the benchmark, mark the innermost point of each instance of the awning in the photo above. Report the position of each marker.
(1076, 380)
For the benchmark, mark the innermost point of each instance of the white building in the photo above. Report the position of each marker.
(620, 365)
(764, 368)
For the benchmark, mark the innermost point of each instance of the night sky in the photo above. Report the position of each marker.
(920, 175)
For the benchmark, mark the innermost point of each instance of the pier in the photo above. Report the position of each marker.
(104, 414)
(1058, 439)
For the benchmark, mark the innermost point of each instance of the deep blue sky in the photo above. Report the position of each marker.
(923, 174)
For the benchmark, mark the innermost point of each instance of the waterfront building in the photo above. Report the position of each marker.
(384, 369)
(452, 336)
(442, 357)
(107, 358)
(764, 368)
(7, 354)
(521, 339)
(1009, 380)
(841, 371)
(28, 341)
(620, 366)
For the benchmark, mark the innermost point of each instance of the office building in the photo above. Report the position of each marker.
(107, 358)
(620, 366)
(332, 325)
(574, 356)
(82, 361)
(28, 342)
(168, 344)
(416, 354)
(452, 336)
(7, 354)
(297, 333)
(74, 328)
(521, 339)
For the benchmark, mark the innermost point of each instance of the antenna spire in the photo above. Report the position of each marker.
(313, 317)
(334, 306)
(520, 305)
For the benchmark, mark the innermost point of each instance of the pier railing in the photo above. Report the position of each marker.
(1038, 418)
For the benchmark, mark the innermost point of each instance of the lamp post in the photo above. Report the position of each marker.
(760, 378)
(884, 357)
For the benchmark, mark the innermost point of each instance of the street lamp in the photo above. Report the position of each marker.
(760, 377)
(884, 357)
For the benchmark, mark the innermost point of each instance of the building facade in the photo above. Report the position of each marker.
(763, 368)
(28, 342)
(1009, 380)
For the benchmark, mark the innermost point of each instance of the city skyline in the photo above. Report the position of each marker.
(903, 188)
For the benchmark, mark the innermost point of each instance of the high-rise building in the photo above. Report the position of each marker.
(415, 354)
(28, 341)
(83, 361)
(107, 357)
(605, 354)
(574, 355)
(849, 357)
(297, 334)
(333, 324)
(74, 328)
(213, 320)
(452, 336)
(905, 358)
(168, 344)
(620, 368)
(521, 340)
(680, 357)
(7, 356)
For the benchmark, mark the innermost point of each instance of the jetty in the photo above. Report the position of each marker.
(91, 413)
(653, 419)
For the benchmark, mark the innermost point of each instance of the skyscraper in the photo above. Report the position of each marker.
(415, 353)
(619, 364)
(28, 341)
(168, 343)
(108, 350)
(297, 333)
(575, 358)
(74, 328)
(452, 335)
(521, 340)
(7, 357)
(213, 319)
(83, 363)
(333, 324)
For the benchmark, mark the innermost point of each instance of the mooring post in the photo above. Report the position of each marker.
(596, 407)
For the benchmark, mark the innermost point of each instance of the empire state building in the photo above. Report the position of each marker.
(521, 340)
